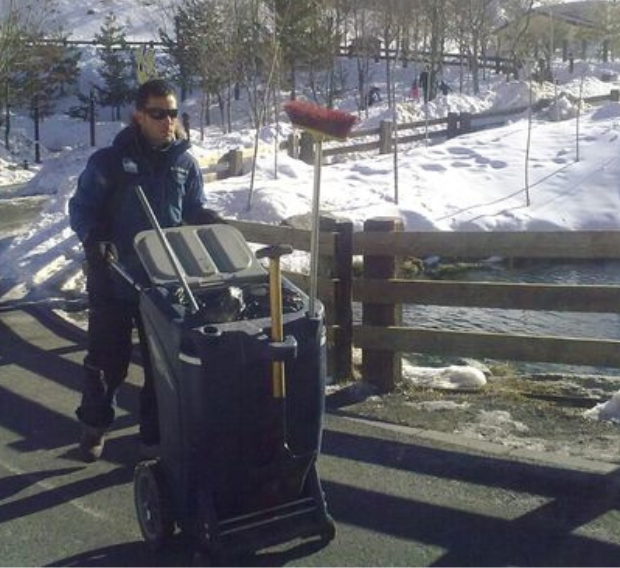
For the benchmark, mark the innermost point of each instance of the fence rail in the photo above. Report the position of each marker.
(455, 124)
(381, 335)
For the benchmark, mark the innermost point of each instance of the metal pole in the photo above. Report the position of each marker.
(91, 116)
(7, 123)
(529, 143)
(556, 112)
(314, 242)
(176, 265)
(37, 144)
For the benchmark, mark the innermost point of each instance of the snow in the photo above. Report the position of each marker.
(609, 410)
(470, 183)
(462, 377)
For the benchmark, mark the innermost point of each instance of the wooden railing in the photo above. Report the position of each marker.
(455, 124)
(237, 162)
(382, 337)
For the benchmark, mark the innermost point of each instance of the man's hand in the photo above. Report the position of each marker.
(208, 217)
(99, 252)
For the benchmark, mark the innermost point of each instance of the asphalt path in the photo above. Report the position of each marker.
(400, 497)
(17, 212)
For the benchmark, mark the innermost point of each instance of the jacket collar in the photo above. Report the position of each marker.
(130, 141)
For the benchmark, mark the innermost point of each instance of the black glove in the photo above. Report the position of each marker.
(207, 217)
(98, 252)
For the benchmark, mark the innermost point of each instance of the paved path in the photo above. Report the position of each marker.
(400, 497)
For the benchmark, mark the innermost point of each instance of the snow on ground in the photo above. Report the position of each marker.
(470, 183)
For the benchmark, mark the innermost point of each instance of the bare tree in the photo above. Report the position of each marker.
(20, 20)
(519, 13)
(26, 67)
(436, 12)
(473, 22)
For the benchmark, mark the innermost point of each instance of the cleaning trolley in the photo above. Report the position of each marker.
(239, 364)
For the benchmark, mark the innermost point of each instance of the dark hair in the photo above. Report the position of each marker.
(153, 88)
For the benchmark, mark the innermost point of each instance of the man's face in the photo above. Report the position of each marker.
(158, 120)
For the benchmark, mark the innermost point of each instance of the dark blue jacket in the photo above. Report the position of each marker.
(105, 206)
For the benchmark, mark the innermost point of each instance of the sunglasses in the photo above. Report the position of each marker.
(161, 113)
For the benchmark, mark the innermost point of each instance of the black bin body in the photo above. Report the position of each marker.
(219, 420)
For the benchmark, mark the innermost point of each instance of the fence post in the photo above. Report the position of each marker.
(385, 137)
(381, 368)
(292, 146)
(465, 120)
(235, 162)
(186, 124)
(453, 125)
(306, 147)
(342, 271)
(339, 310)
(615, 95)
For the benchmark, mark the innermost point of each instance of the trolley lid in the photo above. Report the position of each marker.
(210, 255)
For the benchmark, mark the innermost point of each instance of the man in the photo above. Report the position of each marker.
(106, 214)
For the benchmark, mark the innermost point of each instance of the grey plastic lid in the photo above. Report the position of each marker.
(211, 255)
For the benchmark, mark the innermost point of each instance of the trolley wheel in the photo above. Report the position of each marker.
(329, 530)
(153, 504)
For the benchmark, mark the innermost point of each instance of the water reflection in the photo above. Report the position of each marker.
(560, 324)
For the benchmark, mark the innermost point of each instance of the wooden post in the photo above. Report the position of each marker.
(385, 137)
(382, 369)
(235, 162)
(185, 120)
(341, 311)
(465, 120)
(325, 270)
(292, 146)
(453, 125)
(615, 95)
(306, 148)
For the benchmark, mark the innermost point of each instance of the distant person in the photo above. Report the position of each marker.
(374, 96)
(424, 81)
(444, 87)
(415, 90)
(106, 215)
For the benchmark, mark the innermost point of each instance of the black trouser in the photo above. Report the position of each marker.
(110, 325)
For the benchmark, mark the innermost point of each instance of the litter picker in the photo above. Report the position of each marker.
(323, 124)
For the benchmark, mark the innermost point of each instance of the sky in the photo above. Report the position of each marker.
(474, 182)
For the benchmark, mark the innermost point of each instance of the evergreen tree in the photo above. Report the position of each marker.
(207, 50)
(117, 70)
(300, 29)
(47, 71)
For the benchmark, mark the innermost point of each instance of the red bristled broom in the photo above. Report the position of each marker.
(323, 124)
(320, 121)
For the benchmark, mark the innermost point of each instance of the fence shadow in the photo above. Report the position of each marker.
(554, 529)
(549, 534)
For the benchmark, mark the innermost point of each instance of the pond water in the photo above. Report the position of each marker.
(561, 324)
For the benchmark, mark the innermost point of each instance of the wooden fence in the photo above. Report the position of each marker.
(237, 162)
(382, 336)
(376, 50)
(455, 124)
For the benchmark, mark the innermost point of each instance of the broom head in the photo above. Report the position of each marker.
(320, 121)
